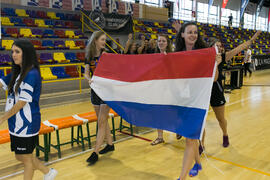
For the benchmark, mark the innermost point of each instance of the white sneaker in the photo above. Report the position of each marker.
(50, 175)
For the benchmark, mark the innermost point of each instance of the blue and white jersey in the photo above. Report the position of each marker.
(26, 122)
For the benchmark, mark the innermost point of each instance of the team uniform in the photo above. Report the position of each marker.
(24, 125)
(217, 96)
(95, 99)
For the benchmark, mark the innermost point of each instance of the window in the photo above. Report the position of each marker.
(152, 2)
(261, 23)
(248, 21)
(225, 13)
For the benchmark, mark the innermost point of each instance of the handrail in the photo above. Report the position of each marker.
(79, 65)
(83, 14)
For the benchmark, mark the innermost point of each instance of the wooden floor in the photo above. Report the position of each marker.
(247, 158)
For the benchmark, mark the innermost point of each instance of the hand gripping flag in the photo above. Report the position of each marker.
(169, 92)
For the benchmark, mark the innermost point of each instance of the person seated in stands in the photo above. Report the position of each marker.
(147, 46)
(118, 48)
(131, 46)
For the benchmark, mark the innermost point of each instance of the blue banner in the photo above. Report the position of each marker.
(244, 4)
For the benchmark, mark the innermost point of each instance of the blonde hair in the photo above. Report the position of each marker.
(91, 46)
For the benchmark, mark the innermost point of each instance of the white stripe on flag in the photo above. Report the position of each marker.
(193, 92)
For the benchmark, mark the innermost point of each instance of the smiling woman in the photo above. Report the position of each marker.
(94, 50)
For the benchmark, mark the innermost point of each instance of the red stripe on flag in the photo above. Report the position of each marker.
(135, 68)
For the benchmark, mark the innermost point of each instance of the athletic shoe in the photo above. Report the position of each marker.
(108, 148)
(93, 158)
(226, 141)
(195, 170)
(50, 175)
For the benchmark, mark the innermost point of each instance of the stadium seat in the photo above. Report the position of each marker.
(70, 34)
(26, 33)
(80, 44)
(60, 24)
(71, 56)
(80, 35)
(5, 59)
(80, 56)
(9, 12)
(72, 71)
(42, 14)
(69, 24)
(5, 21)
(71, 45)
(48, 44)
(21, 13)
(40, 23)
(17, 21)
(32, 13)
(46, 58)
(61, 16)
(60, 33)
(37, 44)
(60, 44)
(4, 33)
(37, 32)
(52, 15)
(60, 72)
(7, 44)
(29, 22)
(46, 74)
(13, 32)
(50, 23)
(60, 57)
(49, 33)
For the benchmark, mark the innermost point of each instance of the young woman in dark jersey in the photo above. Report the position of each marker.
(94, 50)
(217, 97)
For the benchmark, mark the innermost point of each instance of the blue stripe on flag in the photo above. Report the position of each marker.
(182, 120)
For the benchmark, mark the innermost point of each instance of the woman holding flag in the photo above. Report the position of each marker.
(189, 39)
(94, 50)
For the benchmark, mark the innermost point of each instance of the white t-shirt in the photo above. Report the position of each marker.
(248, 56)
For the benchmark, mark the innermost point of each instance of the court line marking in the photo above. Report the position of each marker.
(232, 163)
(77, 154)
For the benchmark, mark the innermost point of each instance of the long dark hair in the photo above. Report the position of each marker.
(169, 44)
(91, 46)
(29, 61)
(180, 44)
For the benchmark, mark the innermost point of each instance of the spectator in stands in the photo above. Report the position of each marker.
(118, 48)
(94, 50)
(247, 62)
(131, 46)
(230, 20)
(164, 46)
(147, 46)
(22, 107)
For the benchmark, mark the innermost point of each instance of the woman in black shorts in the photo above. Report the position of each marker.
(217, 97)
(94, 50)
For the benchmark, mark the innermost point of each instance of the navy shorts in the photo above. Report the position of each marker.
(23, 145)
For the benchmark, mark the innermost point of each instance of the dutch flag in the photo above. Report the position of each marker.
(170, 92)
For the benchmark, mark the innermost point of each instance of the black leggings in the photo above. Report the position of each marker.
(247, 65)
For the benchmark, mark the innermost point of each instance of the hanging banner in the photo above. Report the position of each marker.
(128, 8)
(96, 5)
(29, 3)
(244, 4)
(268, 15)
(111, 22)
(114, 6)
(259, 8)
(77, 4)
(56, 4)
